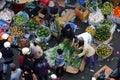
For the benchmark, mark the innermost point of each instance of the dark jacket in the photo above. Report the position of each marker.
(7, 55)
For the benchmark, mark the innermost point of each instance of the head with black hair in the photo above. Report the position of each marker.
(80, 43)
(59, 51)
(68, 27)
(35, 43)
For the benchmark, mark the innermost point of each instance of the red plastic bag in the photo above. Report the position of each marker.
(44, 2)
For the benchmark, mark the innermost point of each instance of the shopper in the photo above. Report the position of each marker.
(1, 66)
(87, 51)
(28, 74)
(7, 55)
(15, 72)
(36, 50)
(29, 61)
(41, 68)
(59, 64)
(21, 58)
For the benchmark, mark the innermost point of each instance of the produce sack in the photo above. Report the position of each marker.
(68, 14)
(6, 15)
(81, 15)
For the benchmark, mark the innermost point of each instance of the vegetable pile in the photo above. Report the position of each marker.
(106, 22)
(31, 25)
(107, 8)
(19, 19)
(102, 33)
(43, 46)
(17, 31)
(43, 32)
(104, 50)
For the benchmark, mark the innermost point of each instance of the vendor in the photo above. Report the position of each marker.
(86, 37)
(66, 33)
(87, 51)
(73, 26)
(53, 8)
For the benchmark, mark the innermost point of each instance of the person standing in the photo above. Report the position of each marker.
(36, 50)
(7, 55)
(15, 72)
(41, 68)
(59, 64)
(23, 54)
(1, 66)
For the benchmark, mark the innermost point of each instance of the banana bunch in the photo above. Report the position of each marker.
(107, 8)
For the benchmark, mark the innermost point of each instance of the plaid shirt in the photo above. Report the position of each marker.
(59, 61)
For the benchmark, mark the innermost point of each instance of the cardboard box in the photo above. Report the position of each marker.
(107, 69)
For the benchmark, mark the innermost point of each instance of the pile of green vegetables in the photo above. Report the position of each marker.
(31, 25)
(43, 32)
(102, 33)
(19, 19)
(107, 23)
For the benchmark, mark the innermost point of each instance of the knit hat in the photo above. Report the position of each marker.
(0, 55)
(53, 77)
(7, 44)
(5, 36)
(25, 51)
(51, 4)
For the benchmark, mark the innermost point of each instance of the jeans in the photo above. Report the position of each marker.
(59, 71)
(90, 61)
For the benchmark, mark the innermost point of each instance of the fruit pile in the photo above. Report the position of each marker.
(104, 50)
(31, 25)
(90, 30)
(17, 31)
(116, 11)
(107, 8)
(106, 22)
(102, 33)
(19, 19)
(43, 32)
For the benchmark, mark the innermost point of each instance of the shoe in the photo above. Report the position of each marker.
(91, 70)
